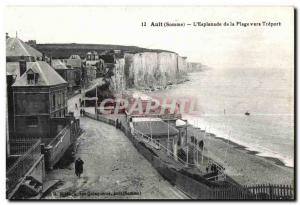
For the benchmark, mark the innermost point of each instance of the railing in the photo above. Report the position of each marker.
(17, 171)
(100, 118)
(271, 191)
(256, 192)
(162, 116)
(57, 147)
(54, 142)
(232, 193)
(19, 146)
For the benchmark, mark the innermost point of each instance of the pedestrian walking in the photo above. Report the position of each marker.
(78, 167)
(117, 123)
(76, 107)
(80, 112)
(80, 104)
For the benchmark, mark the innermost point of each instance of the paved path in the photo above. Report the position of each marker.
(111, 165)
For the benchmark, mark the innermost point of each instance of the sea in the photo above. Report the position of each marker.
(223, 97)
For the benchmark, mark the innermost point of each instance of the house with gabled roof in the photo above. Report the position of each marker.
(39, 95)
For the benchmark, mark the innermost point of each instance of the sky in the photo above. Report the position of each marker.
(225, 46)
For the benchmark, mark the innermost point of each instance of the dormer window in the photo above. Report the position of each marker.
(32, 78)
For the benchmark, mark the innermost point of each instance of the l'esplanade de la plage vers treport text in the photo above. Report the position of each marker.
(211, 24)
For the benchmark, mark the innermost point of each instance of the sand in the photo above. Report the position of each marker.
(244, 166)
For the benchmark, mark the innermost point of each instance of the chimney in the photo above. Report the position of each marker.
(9, 80)
(6, 35)
(23, 67)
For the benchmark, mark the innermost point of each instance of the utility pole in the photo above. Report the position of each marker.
(84, 94)
(168, 144)
(96, 100)
(151, 130)
(186, 130)
(203, 146)
(187, 155)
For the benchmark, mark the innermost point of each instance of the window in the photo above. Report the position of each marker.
(63, 98)
(30, 78)
(179, 142)
(201, 145)
(53, 100)
(192, 139)
(32, 121)
(58, 99)
(36, 78)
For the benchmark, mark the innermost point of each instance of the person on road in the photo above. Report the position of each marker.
(81, 112)
(117, 123)
(78, 167)
(76, 107)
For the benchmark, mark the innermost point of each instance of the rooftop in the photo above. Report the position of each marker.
(16, 47)
(57, 64)
(155, 128)
(74, 62)
(47, 75)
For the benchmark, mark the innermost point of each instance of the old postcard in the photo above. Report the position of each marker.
(150, 103)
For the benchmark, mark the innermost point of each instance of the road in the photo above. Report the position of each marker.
(112, 165)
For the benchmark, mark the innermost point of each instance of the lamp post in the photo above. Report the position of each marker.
(96, 99)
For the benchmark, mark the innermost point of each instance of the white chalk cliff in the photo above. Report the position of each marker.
(149, 69)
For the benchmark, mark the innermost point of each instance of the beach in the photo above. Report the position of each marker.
(254, 149)
(245, 166)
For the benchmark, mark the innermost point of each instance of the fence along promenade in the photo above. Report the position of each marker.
(18, 170)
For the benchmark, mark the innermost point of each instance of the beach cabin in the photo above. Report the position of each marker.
(157, 133)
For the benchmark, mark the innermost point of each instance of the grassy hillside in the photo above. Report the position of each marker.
(66, 50)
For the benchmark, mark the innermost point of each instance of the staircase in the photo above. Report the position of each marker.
(30, 187)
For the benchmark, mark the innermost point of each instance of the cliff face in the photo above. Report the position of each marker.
(152, 69)
(117, 81)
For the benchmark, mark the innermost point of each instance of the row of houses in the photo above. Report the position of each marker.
(38, 121)
(79, 72)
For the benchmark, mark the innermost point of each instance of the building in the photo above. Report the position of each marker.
(90, 73)
(157, 129)
(39, 129)
(17, 49)
(39, 95)
(68, 73)
(92, 58)
(17, 53)
(74, 61)
(109, 62)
